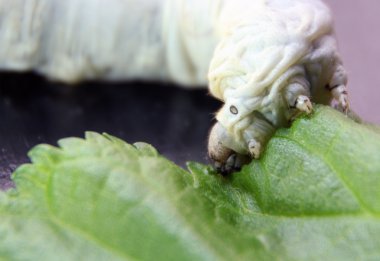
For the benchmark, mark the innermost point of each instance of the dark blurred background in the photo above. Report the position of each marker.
(33, 110)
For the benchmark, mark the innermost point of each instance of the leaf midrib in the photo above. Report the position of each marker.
(76, 229)
(89, 236)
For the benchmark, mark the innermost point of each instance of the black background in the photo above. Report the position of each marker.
(34, 110)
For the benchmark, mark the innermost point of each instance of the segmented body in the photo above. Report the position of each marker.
(265, 59)
(272, 45)
(114, 40)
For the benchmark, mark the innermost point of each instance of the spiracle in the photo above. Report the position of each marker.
(266, 60)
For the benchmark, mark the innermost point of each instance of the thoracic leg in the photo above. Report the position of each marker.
(257, 134)
(254, 148)
(337, 87)
(297, 96)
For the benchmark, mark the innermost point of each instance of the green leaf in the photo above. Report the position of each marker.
(314, 195)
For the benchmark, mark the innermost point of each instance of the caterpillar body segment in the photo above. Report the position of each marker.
(266, 60)
(270, 66)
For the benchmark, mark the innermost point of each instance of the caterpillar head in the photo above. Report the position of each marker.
(266, 76)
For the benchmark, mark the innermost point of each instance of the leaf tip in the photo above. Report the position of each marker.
(146, 149)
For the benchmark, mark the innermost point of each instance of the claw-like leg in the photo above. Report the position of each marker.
(303, 104)
(297, 96)
(254, 148)
(337, 87)
(340, 94)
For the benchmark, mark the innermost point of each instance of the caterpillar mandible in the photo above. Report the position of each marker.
(266, 60)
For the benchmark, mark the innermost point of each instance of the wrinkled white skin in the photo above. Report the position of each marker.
(265, 59)
(76, 40)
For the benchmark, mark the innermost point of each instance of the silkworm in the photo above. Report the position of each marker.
(266, 60)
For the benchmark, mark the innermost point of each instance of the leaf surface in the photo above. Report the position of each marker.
(314, 195)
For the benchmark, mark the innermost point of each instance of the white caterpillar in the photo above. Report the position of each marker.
(265, 59)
